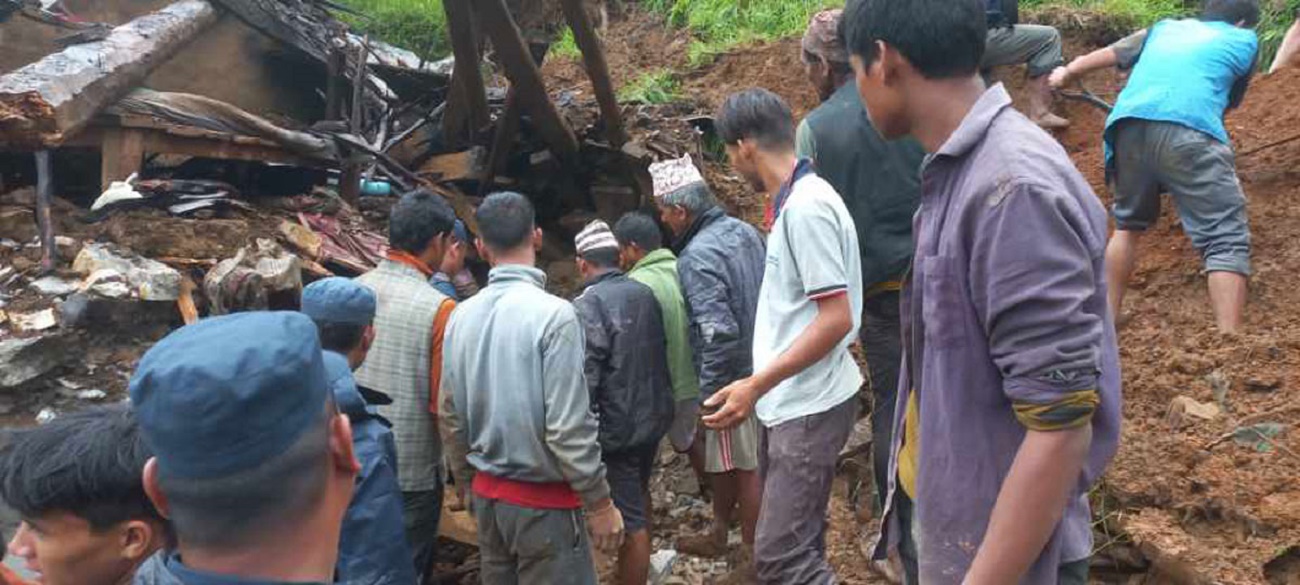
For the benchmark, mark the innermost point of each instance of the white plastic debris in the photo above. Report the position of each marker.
(117, 191)
(46, 415)
(661, 565)
(93, 394)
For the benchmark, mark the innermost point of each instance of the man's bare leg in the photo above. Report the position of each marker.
(634, 558)
(749, 495)
(1121, 258)
(714, 543)
(1228, 292)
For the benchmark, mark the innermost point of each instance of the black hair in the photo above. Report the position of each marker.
(505, 220)
(340, 337)
(601, 257)
(942, 39)
(86, 463)
(1231, 11)
(756, 114)
(237, 510)
(417, 218)
(640, 229)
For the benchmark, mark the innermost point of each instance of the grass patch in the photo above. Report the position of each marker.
(652, 87)
(567, 46)
(1132, 13)
(416, 25)
(719, 25)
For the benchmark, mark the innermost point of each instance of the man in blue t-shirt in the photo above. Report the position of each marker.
(1166, 133)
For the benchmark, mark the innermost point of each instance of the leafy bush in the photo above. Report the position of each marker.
(417, 25)
(652, 87)
(718, 25)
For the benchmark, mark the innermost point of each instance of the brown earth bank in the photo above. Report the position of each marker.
(1200, 508)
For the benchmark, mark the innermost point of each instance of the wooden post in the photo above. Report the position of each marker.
(334, 85)
(467, 92)
(526, 78)
(122, 151)
(593, 56)
(44, 200)
(502, 140)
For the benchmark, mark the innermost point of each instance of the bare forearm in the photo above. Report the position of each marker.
(1031, 504)
(834, 321)
(1099, 59)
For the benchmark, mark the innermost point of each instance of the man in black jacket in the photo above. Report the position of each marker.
(627, 374)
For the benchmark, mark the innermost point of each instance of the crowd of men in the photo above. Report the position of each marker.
(915, 213)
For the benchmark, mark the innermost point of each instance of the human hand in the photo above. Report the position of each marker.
(734, 404)
(1059, 77)
(605, 524)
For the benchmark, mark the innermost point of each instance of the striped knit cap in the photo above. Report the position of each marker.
(595, 236)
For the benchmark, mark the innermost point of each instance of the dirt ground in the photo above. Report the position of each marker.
(1201, 509)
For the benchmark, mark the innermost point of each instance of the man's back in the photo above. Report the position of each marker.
(627, 362)
(513, 366)
(721, 270)
(1185, 73)
(398, 364)
(879, 180)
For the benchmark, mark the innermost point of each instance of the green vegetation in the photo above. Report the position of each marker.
(567, 46)
(416, 25)
(718, 25)
(652, 87)
(1135, 13)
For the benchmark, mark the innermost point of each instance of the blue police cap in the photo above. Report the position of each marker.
(339, 300)
(228, 393)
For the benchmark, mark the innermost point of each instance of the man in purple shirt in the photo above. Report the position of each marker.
(1009, 399)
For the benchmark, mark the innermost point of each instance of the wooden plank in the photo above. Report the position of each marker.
(44, 200)
(593, 57)
(457, 166)
(45, 102)
(470, 113)
(122, 153)
(502, 142)
(524, 75)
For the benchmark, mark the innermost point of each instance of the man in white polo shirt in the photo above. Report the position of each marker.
(805, 381)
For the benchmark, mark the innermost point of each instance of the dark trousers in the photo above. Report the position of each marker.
(797, 459)
(421, 513)
(1074, 573)
(882, 344)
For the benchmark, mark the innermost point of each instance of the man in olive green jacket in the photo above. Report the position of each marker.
(648, 262)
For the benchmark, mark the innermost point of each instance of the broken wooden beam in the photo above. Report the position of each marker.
(468, 93)
(45, 102)
(457, 166)
(524, 76)
(44, 199)
(593, 57)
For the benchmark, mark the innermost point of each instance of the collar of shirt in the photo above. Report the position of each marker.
(656, 257)
(705, 218)
(194, 577)
(602, 277)
(507, 273)
(801, 168)
(408, 259)
(976, 123)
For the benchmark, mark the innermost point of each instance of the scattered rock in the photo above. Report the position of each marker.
(68, 247)
(1186, 363)
(1263, 384)
(55, 286)
(92, 394)
(1182, 409)
(661, 566)
(107, 283)
(38, 321)
(18, 222)
(22, 360)
(1219, 386)
(22, 263)
(149, 280)
(46, 415)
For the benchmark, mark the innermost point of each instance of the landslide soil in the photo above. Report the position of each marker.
(1181, 494)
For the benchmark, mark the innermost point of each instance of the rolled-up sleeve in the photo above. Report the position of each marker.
(571, 428)
(1031, 278)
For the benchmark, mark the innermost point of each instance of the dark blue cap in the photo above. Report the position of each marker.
(228, 393)
(460, 232)
(339, 300)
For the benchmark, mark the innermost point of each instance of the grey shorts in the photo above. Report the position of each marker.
(1198, 171)
(526, 545)
(733, 449)
(685, 418)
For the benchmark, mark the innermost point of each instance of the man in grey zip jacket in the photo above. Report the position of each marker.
(516, 415)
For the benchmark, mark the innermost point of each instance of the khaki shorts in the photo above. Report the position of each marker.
(732, 449)
(685, 418)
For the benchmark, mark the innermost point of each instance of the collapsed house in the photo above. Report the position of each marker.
(283, 84)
